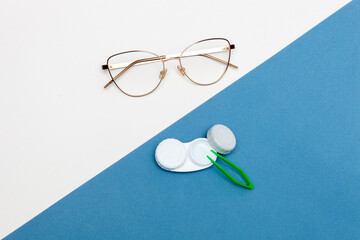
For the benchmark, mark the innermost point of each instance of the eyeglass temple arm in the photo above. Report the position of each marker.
(129, 66)
(203, 53)
(177, 55)
(219, 60)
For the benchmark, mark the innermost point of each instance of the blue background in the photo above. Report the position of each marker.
(297, 122)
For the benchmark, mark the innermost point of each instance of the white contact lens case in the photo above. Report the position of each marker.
(175, 156)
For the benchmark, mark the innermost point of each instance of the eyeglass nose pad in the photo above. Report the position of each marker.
(162, 74)
(181, 70)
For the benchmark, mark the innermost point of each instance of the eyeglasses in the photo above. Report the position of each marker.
(138, 73)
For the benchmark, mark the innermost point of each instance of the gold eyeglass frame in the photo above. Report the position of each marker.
(163, 58)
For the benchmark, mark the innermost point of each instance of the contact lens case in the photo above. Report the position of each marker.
(174, 156)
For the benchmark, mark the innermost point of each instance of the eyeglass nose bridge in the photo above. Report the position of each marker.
(181, 70)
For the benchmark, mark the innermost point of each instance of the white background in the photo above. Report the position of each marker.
(59, 127)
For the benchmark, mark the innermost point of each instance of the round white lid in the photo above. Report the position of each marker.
(221, 138)
(170, 154)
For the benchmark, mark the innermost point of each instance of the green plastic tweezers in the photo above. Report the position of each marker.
(248, 184)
